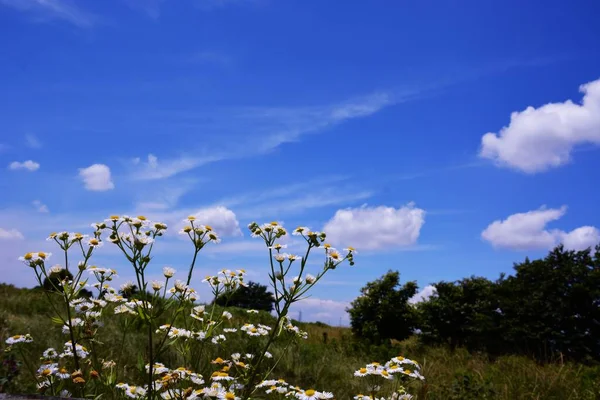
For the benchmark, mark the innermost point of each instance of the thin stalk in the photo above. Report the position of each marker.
(69, 324)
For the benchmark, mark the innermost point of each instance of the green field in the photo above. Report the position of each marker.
(326, 364)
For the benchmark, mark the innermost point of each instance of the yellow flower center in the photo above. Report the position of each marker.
(46, 372)
(114, 217)
(407, 371)
(187, 229)
(208, 227)
(253, 330)
(42, 255)
(191, 218)
(141, 218)
(363, 370)
(310, 392)
(94, 242)
(28, 256)
(223, 374)
(274, 223)
(327, 245)
(384, 373)
(229, 396)
(218, 360)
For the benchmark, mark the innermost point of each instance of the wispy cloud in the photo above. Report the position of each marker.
(45, 10)
(152, 169)
(269, 127)
(41, 207)
(32, 141)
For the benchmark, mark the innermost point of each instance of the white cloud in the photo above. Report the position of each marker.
(331, 312)
(96, 177)
(32, 141)
(153, 169)
(371, 228)
(6, 234)
(41, 207)
(527, 231)
(423, 295)
(53, 9)
(581, 238)
(28, 165)
(221, 219)
(538, 139)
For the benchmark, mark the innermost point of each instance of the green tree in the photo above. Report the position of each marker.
(382, 311)
(53, 282)
(462, 313)
(551, 306)
(254, 296)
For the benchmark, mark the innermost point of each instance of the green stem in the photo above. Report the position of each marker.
(69, 323)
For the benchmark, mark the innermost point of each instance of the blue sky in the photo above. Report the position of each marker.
(387, 122)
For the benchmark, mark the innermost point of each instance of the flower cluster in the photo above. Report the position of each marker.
(168, 311)
(398, 370)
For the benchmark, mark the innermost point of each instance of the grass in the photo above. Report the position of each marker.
(326, 364)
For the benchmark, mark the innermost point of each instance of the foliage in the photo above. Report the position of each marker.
(382, 311)
(548, 309)
(252, 296)
(463, 313)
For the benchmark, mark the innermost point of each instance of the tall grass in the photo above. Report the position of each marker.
(327, 359)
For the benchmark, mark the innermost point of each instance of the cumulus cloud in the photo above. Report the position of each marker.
(423, 295)
(221, 219)
(96, 177)
(41, 207)
(537, 139)
(371, 228)
(527, 231)
(7, 234)
(28, 165)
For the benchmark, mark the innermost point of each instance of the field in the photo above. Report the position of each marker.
(327, 359)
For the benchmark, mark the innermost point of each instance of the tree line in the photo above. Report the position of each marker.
(548, 308)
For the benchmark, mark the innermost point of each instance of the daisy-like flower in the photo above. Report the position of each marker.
(63, 373)
(252, 311)
(334, 255)
(221, 376)
(229, 330)
(19, 339)
(310, 279)
(218, 339)
(157, 285)
(55, 269)
(280, 257)
(168, 272)
(268, 355)
(227, 315)
(50, 353)
(47, 370)
(93, 242)
(361, 372)
(301, 230)
(309, 394)
(278, 247)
